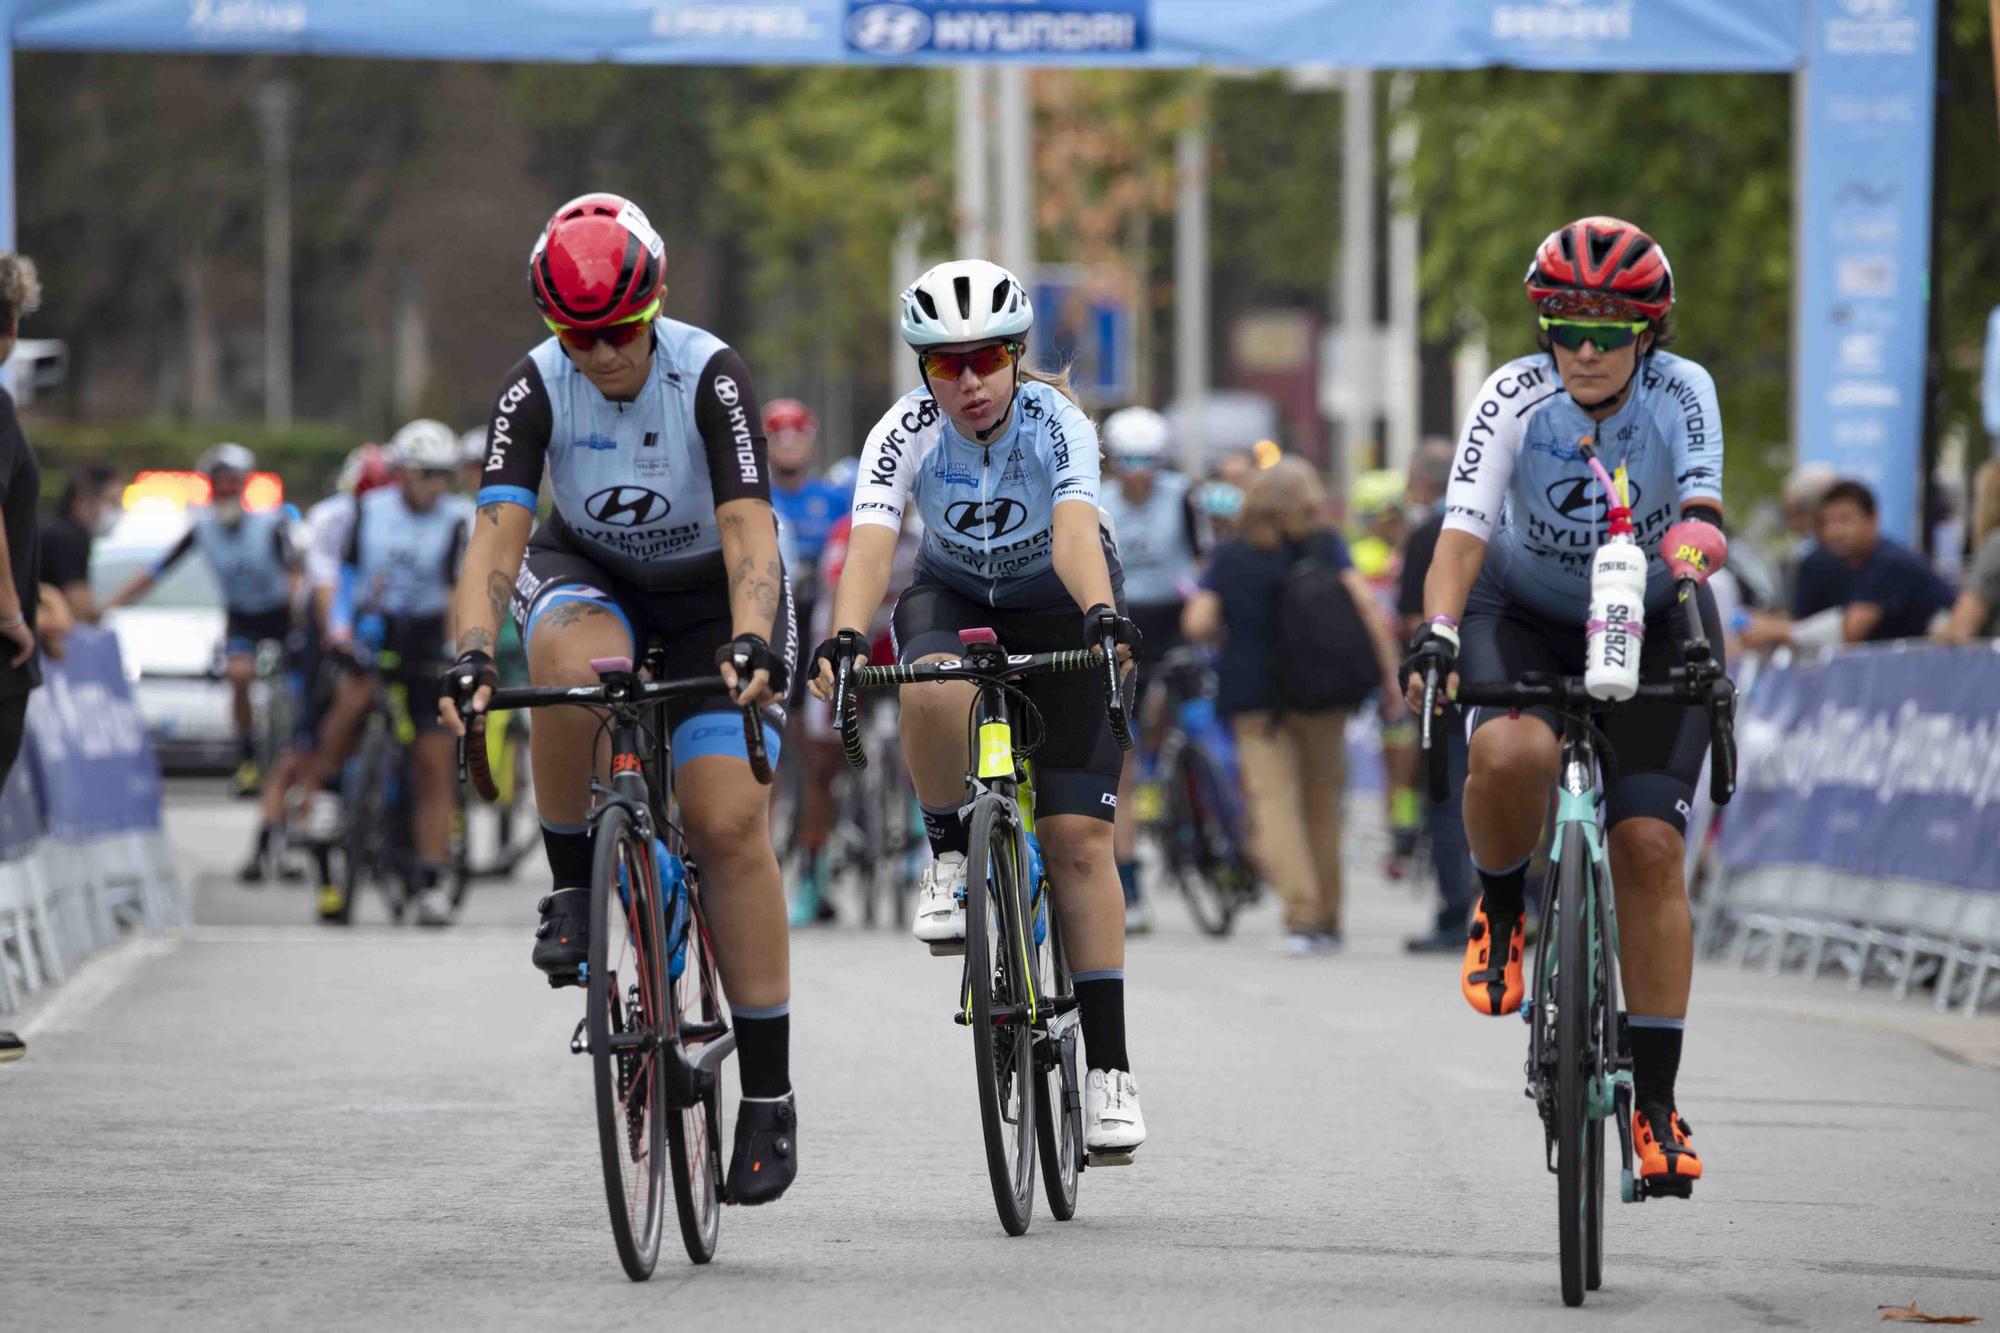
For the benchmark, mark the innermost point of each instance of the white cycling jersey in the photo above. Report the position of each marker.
(1520, 484)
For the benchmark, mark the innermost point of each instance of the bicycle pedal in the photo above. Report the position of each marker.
(1109, 1158)
(948, 949)
(565, 983)
(1666, 1189)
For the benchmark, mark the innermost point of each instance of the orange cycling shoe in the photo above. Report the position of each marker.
(1671, 1162)
(1494, 988)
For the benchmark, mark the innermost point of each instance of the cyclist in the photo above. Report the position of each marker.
(472, 460)
(328, 525)
(392, 607)
(1522, 520)
(1003, 468)
(808, 508)
(649, 432)
(1380, 525)
(254, 561)
(1161, 539)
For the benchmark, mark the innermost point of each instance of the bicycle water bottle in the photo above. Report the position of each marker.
(1035, 882)
(673, 883)
(1617, 613)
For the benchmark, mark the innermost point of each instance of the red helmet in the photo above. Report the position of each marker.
(1601, 268)
(366, 468)
(787, 414)
(598, 262)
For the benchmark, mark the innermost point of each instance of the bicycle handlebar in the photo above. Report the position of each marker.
(1699, 682)
(615, 690)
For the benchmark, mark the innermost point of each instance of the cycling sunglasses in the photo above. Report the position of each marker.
(1572, 334)
(620, 334)
(982, 361)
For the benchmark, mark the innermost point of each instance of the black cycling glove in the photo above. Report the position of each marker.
(844, 646)
(463, 678)
(749, 654)
(1432, 645)
(1100, 620)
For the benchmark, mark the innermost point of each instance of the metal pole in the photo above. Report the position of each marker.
(903, 266)
(1017, 174)
(1402, 369)
(276, 102)
(1358, 395)
(1191, 290)
(974, 163)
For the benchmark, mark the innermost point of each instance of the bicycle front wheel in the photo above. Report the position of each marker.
(998, 995)
(625, 1010)
(1187, 838)
(1579, 1195)
(1058, 1093)
(695, 1133)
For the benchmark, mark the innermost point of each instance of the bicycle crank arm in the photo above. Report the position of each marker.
(713, 1054)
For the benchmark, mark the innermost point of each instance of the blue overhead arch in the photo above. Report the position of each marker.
(1864, 191)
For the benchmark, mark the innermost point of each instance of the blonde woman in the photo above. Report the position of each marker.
(1293, 762)
(1976, 614)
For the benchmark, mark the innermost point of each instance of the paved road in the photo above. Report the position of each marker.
(266, 1121)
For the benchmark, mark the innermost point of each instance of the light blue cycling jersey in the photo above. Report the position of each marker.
(403, 563)
(1520, 484)
(636, 484)
(253, 559)
(1156, 540)
(988, 510)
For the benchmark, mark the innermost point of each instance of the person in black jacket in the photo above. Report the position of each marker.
(80, 517)
(20, 546)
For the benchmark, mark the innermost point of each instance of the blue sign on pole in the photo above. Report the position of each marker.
(1087, 326)
(1864, 276)
(972, 29)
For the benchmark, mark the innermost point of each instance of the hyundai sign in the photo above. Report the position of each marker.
(986, 28)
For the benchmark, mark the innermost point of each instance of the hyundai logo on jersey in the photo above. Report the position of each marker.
(627, 506)
(988, 519)
(1578, 498)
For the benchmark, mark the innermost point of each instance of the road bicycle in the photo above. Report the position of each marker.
(655, 1025)
(877, 830)
(1579, 1058)
(1015, 991)
(1190, 804)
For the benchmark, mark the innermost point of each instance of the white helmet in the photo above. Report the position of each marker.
(1137, 436)
(472, 445)
(426, 445)
(226, 457)
(965, 301)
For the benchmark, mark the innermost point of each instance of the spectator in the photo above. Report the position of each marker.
(1293, 762)
(20, 546)
(1451, 859)
(1977, 612)
(1890, 592)
(1814, 577)
(83, 513)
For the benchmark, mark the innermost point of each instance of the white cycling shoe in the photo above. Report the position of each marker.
(940, 919)
(1112, 1124)
(433, 906)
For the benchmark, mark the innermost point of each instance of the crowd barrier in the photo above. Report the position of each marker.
(82, 855)
(1865, 833)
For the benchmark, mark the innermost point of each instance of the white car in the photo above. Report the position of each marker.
(171, 639)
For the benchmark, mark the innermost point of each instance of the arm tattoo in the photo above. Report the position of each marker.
(499, 591)
(491, 513)
(761, 590)
(475, 640)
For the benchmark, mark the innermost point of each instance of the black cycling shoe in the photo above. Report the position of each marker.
(562, 940)
(766, 1160)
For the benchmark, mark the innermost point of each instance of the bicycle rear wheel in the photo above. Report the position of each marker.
(695, 1134)
(625, 1009)
(1058, 1094)
(1579, 1193)
(998, 992)
(1188, 842)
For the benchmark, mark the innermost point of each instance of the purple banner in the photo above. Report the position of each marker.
(88, 742)
(1879, 761)
(20, 812)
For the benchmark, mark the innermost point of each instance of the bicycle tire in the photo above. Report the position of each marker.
(1575, 1038)
(1185, 836)
(694, 1134)
(362, 799)
(1058, 1101)
(994, 980)
(625, 996)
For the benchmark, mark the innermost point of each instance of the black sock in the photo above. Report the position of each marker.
(1100, 1001)
(569, 856)
(266, 835)
(945, 830)
(246, 749)
(1656, 1060)
(763, 1050)
(331, 782)
(1504, 890)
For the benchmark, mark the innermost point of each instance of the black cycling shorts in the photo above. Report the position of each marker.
(1077, 765)
(1658, 745)
(244, 630)
(421, 653)
(690, 625)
